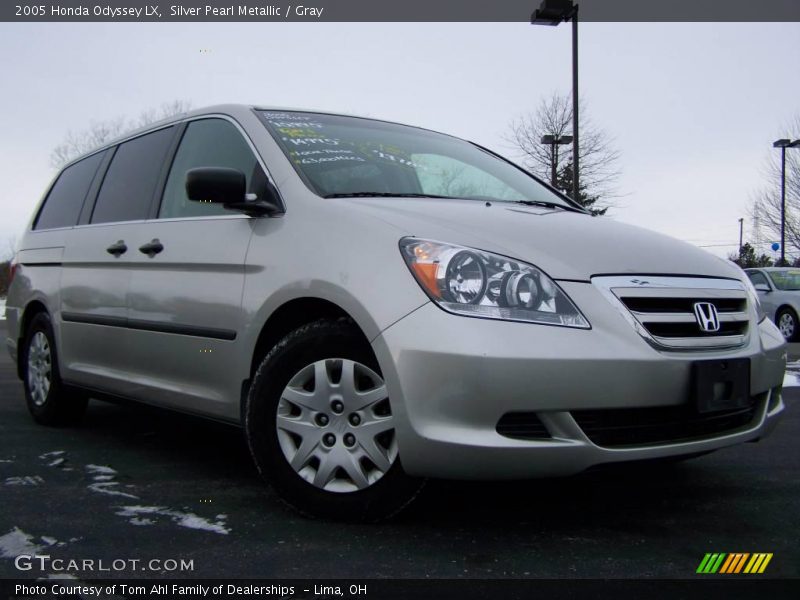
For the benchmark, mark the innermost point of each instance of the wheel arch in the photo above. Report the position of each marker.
(33, 308)
(292, 314)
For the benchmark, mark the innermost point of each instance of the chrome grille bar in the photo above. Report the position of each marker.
(661, 309)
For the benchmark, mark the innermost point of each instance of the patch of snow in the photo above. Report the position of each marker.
(25, 480)
(182, 519)
(100, 470)
(141, 521)
(792, 376)
(103, 477)
(107, 487)
(49, 540)
(57, 462)
(53, 454)
(17, 542)
(3, 460)
(59, 576)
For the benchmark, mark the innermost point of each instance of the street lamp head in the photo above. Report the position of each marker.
(781, 143)
(794, 144)
(556, 139)
(553, 12)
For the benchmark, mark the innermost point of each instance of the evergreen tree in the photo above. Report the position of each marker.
(564, 184)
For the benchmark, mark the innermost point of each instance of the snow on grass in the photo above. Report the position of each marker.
(139, 514)
(17, 542)
(50, 541)
(24, 480)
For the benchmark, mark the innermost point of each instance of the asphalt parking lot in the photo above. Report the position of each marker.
(136, 483)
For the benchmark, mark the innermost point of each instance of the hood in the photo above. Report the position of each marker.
(564, 244)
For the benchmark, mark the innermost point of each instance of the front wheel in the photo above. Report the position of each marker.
(320, 426)
(787, 323)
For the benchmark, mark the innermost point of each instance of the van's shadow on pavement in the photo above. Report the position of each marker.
(171, 445)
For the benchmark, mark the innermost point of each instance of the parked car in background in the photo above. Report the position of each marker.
(779, 291)
(374, 304)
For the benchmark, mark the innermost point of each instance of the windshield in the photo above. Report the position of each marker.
(349, 156)
(786, 280)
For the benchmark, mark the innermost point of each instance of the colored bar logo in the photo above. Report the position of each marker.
(734, 563)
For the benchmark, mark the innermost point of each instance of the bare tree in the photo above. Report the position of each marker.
(101, 132)
(598, 159)
(766, 205)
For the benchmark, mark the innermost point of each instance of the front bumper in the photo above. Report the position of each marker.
(451, 379)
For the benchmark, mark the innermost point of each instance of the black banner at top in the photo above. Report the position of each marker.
(387, 11)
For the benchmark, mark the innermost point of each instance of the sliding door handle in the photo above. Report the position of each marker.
(117, 249)
(151, 248)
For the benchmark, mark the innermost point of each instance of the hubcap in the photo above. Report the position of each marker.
(786, 325)
(343, 454)
(39, 368)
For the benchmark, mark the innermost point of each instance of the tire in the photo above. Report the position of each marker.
(49, 401)
(786, 320)
(346, 467)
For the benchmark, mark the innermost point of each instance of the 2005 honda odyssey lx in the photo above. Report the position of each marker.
(375, 304)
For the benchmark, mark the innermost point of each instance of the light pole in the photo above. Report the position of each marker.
(783, 144)
(741, 225)
(554, 141)
(553, 12)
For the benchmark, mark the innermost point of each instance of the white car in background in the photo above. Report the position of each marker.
(779, 291)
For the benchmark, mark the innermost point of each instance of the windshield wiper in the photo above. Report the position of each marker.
(384, 195)
(548, 205)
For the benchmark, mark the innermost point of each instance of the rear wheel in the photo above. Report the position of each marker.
(49, 401)
(787, 323)
(321, 429)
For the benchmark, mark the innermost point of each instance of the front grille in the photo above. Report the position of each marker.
(658, 425)
(661, 309)
(522, 426)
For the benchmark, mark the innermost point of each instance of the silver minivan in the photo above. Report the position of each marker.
(375, 304)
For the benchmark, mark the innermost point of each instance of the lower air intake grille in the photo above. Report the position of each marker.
(522, 426)
(663, 424)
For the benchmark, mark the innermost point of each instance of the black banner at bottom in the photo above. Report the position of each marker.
(728, 587)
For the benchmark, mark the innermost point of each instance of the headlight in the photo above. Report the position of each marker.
(753, 295)
(475, 283)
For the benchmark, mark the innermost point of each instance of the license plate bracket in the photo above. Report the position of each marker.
(721, 384)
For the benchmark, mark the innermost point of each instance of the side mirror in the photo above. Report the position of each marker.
(216, 184)
(229, 188)
(762, 287)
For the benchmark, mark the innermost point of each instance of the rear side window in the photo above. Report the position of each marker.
(63, 204)
(131, 179)
(207, 143)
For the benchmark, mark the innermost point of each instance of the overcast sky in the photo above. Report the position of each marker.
(693, 107)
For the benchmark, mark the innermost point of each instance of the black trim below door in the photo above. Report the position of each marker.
(142, 325)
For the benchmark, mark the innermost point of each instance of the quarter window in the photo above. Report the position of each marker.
(129, 185)
(65, 200)
(207, 143)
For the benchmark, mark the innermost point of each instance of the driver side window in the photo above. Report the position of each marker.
(757, 277)
(207, 143)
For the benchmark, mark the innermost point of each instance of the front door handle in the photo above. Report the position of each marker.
(117, 249)
(151, 248)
